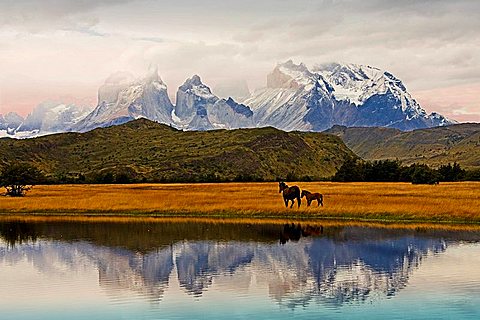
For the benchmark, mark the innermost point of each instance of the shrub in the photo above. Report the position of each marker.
(18, 178)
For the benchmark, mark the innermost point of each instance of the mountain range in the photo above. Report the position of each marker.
(296, 98)
(299, 98)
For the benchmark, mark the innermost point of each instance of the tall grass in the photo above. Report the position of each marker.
(447, 202)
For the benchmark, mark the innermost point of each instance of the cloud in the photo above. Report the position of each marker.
(428, 44)
(37, 16)
(461, 103)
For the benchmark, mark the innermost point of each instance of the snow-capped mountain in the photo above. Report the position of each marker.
(10, 123)
(46, 118)
(197, 108)
(381, 97)
(292, 90)
(122, 99)
(51, 117)
(296, 98)
(299, 98)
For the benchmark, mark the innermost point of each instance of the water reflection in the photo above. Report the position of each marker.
(298, 264)
(17, 232)
(198, 262)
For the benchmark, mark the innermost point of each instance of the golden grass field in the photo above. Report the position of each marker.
(391, 202)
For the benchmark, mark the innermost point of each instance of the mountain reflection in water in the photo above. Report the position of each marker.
(298, 264)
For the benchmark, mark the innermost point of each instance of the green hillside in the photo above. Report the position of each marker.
(146, 150)
(434, 146)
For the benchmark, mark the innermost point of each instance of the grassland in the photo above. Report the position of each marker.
(457, 203)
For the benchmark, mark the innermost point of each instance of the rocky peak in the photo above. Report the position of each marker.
(194, 86)
(122, 99)
(13, 117)
(239, 108)
(289, 75)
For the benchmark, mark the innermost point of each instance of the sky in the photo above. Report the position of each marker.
(64, 50)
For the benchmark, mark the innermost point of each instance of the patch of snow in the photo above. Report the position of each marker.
(175, 118)
(351, 82)
(24, 134)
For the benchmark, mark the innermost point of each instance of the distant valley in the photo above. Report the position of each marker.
(433, 146)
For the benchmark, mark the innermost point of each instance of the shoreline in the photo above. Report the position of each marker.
(239, 219)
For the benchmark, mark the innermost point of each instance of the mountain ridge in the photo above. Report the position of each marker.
(143, 149)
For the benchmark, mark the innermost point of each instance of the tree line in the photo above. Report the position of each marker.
(357, 170)
(18, 178)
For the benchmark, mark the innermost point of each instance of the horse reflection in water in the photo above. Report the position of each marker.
(292, 232)
(289, 194)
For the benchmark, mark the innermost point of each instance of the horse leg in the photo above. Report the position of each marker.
(293, 202)
(299, 201)
(286, 202)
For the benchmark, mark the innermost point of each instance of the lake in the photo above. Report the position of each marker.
(149, 269)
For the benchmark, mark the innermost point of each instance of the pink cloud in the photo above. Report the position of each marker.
(23, 99)
(461, 103)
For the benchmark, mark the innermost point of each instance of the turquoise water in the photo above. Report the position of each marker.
(159, 270)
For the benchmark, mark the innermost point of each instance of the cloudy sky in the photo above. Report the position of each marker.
(64, 50)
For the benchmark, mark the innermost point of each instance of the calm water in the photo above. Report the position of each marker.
(165, 270)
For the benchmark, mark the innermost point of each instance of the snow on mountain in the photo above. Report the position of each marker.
(193, 97)
(357, 83)
(122, 99)
(297, 98)
(197, 108)
(10, 123)
(286, 100)
(46, 118)
(13, 119)
(51, 117)
(351, 82)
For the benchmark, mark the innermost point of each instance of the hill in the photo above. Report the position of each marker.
(433, 146)
(146, 150)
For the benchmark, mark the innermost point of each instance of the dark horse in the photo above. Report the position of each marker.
(312, 196)
(290, 194)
